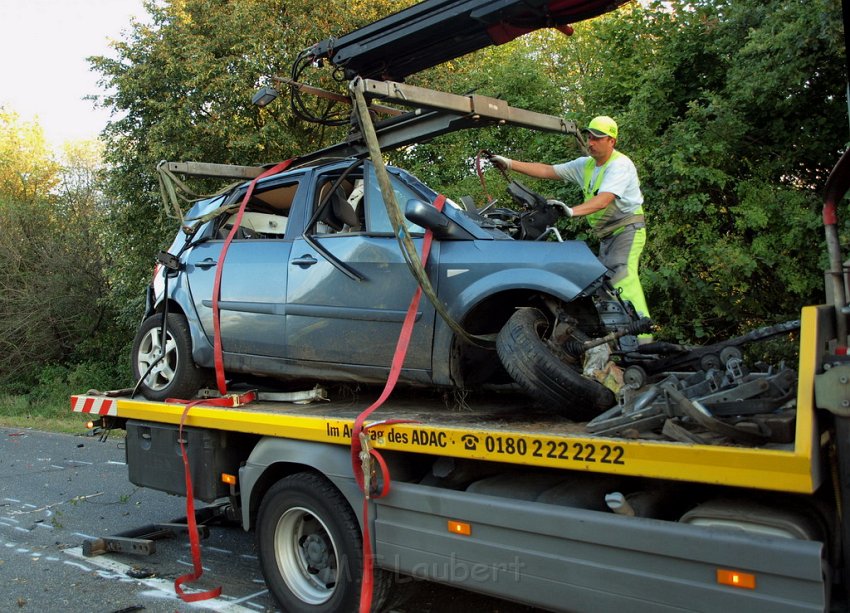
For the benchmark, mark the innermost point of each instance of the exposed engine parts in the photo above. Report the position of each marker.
(734, 404)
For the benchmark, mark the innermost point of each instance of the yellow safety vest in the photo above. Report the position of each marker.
(611, 218)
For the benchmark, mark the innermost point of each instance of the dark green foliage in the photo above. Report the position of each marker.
(733, 111)
(752, 117)
(181, 89)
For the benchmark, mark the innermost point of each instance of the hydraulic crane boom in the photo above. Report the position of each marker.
(435, 31)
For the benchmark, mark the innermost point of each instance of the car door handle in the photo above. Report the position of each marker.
(305, 260)
(207, 263)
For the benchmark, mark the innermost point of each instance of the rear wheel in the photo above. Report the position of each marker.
(552, 382)
(166, 360)
(310, 548)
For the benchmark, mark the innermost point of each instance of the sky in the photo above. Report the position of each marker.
(43, 71)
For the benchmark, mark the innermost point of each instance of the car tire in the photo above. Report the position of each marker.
(176, 375)
(551, 382)
(311, 548)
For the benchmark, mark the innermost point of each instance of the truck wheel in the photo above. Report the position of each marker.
(553, 383)
(310, 548)
(174, 376)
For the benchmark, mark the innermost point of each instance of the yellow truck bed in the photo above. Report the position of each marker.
(501, 432)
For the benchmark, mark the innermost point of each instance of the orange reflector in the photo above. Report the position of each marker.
(89, 424)
(736, 578)
(460, 527)
(228, 479)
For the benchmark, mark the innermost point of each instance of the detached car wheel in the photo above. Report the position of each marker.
(311, 548)
(553, 383)
(171, 372)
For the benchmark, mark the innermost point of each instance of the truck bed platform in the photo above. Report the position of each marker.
(498, 431)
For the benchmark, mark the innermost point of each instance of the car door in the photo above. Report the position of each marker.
(332, 317)
(253, 283)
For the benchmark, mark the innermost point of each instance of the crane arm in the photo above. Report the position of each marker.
(435, 31)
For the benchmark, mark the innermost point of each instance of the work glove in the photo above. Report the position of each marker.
(568, 211)
(500, 162)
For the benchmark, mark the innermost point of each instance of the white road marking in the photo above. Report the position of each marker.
(159, 588)
(190, 565)
(82, 567)
(251, 596)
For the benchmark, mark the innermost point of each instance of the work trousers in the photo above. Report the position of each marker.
(620, 252)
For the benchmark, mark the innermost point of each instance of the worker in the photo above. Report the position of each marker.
(613, 204)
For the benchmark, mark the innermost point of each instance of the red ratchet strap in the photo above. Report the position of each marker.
(480, 172)
(367, 584)
(229, 401)
(217, 352)
(192, 524)
(224, 401)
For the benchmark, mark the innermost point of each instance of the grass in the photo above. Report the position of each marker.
(48, 414)
(43, 400)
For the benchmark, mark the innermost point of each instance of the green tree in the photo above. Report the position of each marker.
(52, 286)
(734, 114)
(734, 127)
(27, 170)
(181, 89)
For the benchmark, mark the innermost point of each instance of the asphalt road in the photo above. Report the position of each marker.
(57, 491)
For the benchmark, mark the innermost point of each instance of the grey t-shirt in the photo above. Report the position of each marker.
(620, 179)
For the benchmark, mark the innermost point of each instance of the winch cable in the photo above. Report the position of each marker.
(163, 329)
(163, 338)
(408, 249)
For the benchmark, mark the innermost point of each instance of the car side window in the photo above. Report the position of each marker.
(341, 205)
(377, 219)
(266, 214)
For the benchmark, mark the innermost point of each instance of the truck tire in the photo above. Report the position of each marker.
(553, 383)
(311, 548)
(176, 375)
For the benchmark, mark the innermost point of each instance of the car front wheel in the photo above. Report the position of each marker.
(165, 360)
(552, 382)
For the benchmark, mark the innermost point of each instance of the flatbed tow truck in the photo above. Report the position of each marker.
(514, 506)
(494, 497)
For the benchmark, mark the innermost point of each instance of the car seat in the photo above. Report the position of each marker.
(338, 214)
